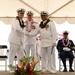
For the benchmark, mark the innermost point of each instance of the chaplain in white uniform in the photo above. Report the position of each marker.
(16, 37)
(48, 33)
(30, 42)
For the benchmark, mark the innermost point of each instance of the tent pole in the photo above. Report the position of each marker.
(29, 6)
(61, 7)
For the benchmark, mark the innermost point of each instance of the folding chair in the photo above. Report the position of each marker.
(60, 63)
(66, 59)
(15, 58)
(2, 56)
(74, 56)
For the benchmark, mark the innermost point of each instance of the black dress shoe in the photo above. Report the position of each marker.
(71, 70)
(65, 70)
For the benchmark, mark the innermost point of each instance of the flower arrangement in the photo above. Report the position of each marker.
(26, 67)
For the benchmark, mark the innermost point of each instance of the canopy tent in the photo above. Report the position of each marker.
(59, 10)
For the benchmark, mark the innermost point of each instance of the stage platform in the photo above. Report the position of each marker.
(58, 73)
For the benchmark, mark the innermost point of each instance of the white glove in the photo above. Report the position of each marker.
(66, 49)
(26, 33)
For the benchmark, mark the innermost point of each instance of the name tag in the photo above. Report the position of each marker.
(66, 49)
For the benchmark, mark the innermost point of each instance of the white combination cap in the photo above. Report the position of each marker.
(66, 32)
(44, 13)
(30, 13)
(20, 10)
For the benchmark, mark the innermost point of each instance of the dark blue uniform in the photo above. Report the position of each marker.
(64, 54)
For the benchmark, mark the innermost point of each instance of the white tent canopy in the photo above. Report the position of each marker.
(59, 10)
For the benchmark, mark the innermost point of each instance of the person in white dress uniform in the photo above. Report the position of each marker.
(30, 42)
(49, 36)
(16, 37)
(48, 33)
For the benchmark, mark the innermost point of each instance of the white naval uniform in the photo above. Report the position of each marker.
(16, 39)
(49, 37)
(30, 42)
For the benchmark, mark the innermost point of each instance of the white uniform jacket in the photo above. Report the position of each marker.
(31, 40)
(48, 34)
(17, 33)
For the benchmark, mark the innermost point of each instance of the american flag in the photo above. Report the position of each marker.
(60, 36)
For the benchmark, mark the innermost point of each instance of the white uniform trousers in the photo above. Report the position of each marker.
(54, 59)
(32, 48)
(15, 49)
(47, 59)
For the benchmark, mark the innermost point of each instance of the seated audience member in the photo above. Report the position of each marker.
(64, 47)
